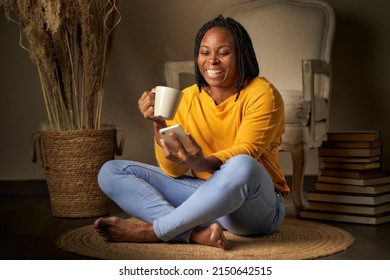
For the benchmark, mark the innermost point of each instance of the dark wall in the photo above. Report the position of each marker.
(155, 31)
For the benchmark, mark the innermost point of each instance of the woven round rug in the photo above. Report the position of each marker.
(295, 240)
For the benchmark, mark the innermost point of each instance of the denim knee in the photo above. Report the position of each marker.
(105, 176)
(244, 166)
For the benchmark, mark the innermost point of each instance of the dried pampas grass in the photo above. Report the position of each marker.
(70, 43)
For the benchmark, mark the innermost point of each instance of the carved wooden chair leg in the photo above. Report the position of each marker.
(299, 156)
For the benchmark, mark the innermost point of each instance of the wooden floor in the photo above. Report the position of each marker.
(28, 230)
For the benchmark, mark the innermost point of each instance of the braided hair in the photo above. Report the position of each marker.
(246, 57)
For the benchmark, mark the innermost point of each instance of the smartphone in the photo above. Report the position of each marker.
(165, 134)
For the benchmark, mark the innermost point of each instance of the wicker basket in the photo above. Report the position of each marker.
(72, 160)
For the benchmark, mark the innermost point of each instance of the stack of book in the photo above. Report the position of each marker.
(352, 185)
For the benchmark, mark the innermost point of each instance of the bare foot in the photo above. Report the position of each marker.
(117, 229)
(210, 236)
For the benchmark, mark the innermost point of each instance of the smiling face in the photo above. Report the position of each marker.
(217, 59)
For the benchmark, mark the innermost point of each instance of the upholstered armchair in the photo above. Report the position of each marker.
(293, 41)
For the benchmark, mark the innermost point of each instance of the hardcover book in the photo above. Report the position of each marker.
(357, 182)
(343, 152)
(322, 196)
(342, 217)
(349, 208)
(351, 165)
(354, 174)
(357, 136)
(352, 144)
(351, 159)
(353, 189)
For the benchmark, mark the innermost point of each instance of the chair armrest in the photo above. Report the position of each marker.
(311, 67)
(173, 69)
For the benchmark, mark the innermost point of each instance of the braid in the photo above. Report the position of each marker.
(246, 57)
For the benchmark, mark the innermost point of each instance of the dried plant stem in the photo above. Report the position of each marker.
(73, 85)
(47, 101)
(108, 30)
(70, 43)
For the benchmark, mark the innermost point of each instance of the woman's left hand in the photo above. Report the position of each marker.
(189, 154)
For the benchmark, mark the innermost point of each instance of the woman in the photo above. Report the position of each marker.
(234, 121)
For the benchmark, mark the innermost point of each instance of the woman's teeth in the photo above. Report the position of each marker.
(214, 72)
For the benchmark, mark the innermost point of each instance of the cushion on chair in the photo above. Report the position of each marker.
(297, 109)
(321, 108)
(295, 135)
(320, 129)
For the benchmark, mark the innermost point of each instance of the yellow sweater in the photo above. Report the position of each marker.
(251, 125)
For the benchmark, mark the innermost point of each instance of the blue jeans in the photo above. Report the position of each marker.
(240, 197)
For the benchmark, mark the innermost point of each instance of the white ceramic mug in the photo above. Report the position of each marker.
(166, 102)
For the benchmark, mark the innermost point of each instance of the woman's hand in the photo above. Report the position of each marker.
(146, 104)
(189, 154)
(146, 107)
